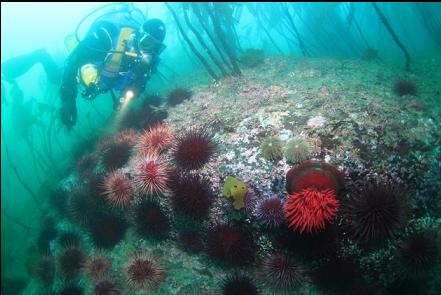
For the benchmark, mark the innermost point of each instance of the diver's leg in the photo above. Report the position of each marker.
(17, 66)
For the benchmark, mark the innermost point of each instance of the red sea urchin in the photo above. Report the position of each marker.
(150, 220)
(118, 189)
(45, 269)
(116, 155)
(310, 209)
(237, 283)
(71, 289)
(98, 266)
(281, 273)
(144, 273)
(193, 149)
(106, 287)
(313, 174)
(233, 245)
(376, 211)
(192, 196)
(150, 174)
(71, 261)
(107, 231)
(155, 140)
(128, 136)
(419, 254)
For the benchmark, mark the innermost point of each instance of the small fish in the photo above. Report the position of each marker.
(237, 190)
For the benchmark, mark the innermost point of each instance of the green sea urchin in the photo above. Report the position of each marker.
(271, 149)
(297, 150)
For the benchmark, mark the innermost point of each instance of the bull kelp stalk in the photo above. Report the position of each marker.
(20, 179)
(294, 28)
(197, 11)
(202, 42)
(256, 13)
(18, 222)
(214, 16)
(190, 44)
(431, 17)
(361, 33)
(392, 33)
(34, 152)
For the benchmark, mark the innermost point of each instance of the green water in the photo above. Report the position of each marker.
(325, 116)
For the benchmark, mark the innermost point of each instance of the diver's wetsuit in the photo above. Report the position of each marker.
(94, 48)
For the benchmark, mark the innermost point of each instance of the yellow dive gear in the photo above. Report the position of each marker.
(88, 74)
(112, 65)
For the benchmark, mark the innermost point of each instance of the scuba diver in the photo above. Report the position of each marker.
(118, 53)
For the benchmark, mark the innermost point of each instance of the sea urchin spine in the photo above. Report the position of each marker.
(144, 273)
(151, 175)
(155, 140)
(193, 149)
(118, 190)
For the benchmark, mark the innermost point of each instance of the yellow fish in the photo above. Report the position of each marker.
(237, 190)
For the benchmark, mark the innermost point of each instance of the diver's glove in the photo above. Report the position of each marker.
(68, 113)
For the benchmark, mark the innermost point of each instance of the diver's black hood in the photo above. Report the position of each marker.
(156, 28)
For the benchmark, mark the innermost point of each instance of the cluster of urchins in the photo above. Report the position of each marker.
(151, 182)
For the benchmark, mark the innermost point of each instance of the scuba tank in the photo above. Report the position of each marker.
(108, 11)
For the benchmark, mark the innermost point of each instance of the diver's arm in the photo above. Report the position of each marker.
(143, 75)
(94, 47)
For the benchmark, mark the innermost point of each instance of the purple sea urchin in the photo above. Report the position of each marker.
(193, 149)
(270, 212)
